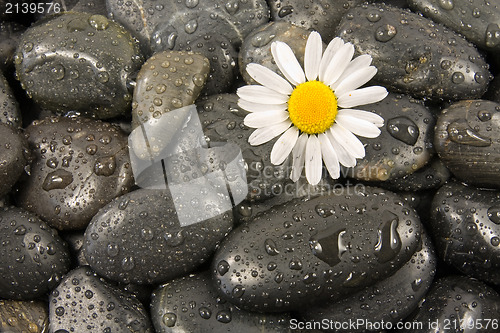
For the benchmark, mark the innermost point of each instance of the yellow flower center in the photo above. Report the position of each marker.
(312, 107)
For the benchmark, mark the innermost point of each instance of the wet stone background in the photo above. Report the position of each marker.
(410, 234)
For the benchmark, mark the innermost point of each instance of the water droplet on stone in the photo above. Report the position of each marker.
(494, 214)
(89, 294)
(238, 290)
(492, 35)
(232, 6)
(460, 132)
(58, 72)
(128, 263)
(169, 319)
(191, 3)
(416, 285)
(262, 39)
(191, 26)
(385, 33)
(198, 80)
(223, 316)
(495, 241)
(403, 129)
(112, 249)
(295, 264)
(98, 22)
(329, 245)
(205, 312)
(174, 239)
(373, 17)
(59, 311)
(270, 247)
(222, 267)
(324, 210)
(58, 179)
(446, 4)
(20, 230)
(388, 241)
(105, 166)
(285, 10)
(103, 77)
(457, 77)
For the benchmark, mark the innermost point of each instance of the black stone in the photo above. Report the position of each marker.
(466, 228)
(309, 251)
(14, 157)
(33, 256)
(9, 108)
(414, 55)
(190, 304)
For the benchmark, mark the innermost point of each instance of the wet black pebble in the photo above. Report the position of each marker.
(389, 301)
(190, 304)
(138, 238)
(322, 16)
(414, 55)
(78, 62)
(85, 303)
(466, 228)
(309, 251)
(24, 316)
(14, 157)
(458, 304)
(222, 121)
(33, 256)
(478, 21)
(79, 166)
(9, 108)
(404, 144)
(467, 139)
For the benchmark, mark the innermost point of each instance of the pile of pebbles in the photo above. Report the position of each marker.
(408, 240)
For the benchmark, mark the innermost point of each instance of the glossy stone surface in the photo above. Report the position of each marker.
(9, 108)
(14, 157)
(190, 304)
(138, 238)
(467, 140)
(79, 166)
(33, 256)
(84, 303)
(78, 62)
(466, 228)
(308, 251)
(414, 55)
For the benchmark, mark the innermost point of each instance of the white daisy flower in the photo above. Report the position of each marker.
(312, 109)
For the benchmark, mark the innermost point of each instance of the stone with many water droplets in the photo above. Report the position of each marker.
(83, 302)
(457, 304)
(191, 304)
(78, 62)
(467, 140)
(404, 144)
(478, 21)
(414, 55)
(138, 238)
(14, 157)
(465, 224)
(24, 316)
(34, 257)
(167, 81)
(389, 300)
(79, 166)
(309, 250)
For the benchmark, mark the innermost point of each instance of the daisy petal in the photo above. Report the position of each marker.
(265, 118)
(362, 96)
(361, 61)
(298, 155)
(283, 147)
(356, 80)
(330, 51)
(261, 94)
(313, 162)
(312, 55)
(338, 64)
(269, 79)
(343, 155)
(358, 126)
(257, 107)
(348, 140)
(265, 134)
(329, 156)
(365, 115)
(287, 63)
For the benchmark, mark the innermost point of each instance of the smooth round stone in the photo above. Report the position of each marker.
(14, 157)
(414, 55)
(389, 300)
(476, 21)
(466, 227)
(10, 33)
(23, 316)
(167, 81)
(138, 238)
(305, 251)
(83, 302)
(433, 175)
(78, 62)
(404, 144)
(33, 256)
(256, 46)
(322, 16)
(458, 304)
(9, 108)
(222, 121)
(80, 165)
(190, 304)
(467, 140)
(188, 20)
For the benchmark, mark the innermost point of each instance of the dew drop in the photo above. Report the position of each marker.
(232, 6)
(98, 22)
(494, 214)
(492, 35)
(191, 26)
(223, 316)
(198, 79)
(373, 17)
(105, 166)
(238, 291)
(191, 3)
(103, 77)
(460, 132)
(58, 72)
(261, 39)
(385, 33)
(447, 4)
(20, 230)
(329, 245)
(270, 247)
(128, 263)
(169, 319)
(285, 10)
(58, 179)
(174, 239)
(388, 242)
(112, 249)
(495, 241)
(205, 312)
(403, 129)
(457, 77)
